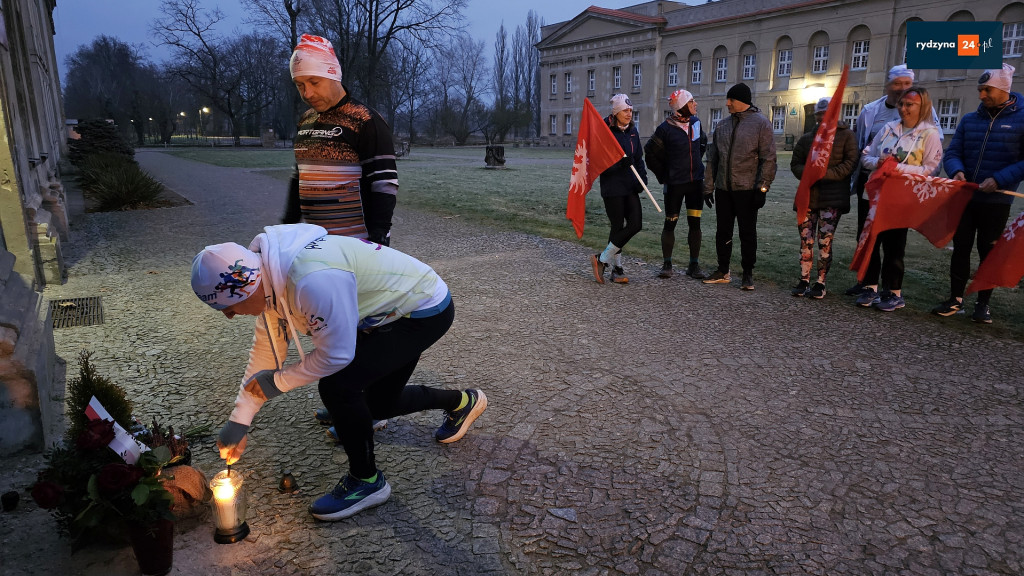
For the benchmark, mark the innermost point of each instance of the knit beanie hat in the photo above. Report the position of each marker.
(225, 274)
(740, 93)
(1000, 79)
(900, 71)
(678, 99)
(314, 56)
(822, 104)
(620, 102)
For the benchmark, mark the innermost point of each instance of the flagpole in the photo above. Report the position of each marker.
(1007, 192)
(641, 181)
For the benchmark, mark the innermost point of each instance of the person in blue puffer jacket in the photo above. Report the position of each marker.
(675, 154)
(987, 148)
(620, 191)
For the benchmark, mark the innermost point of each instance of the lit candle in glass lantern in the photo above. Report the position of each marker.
(229, 507)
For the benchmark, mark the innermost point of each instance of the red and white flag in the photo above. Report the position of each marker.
(821, 150)
(1004, 265)
(932, 206)
(596, 151)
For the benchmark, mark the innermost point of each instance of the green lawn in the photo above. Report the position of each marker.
(529, 195)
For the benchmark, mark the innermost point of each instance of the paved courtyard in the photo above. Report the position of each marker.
(659, 428)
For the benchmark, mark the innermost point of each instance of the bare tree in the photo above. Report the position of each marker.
(103, 81)
(405, 93)
(503, 114)
(461, 72)
(280, 17)
(364, 31)
(203, 59)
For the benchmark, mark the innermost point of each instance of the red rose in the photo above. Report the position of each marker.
(47, 494)
(97, 434)
(116, 477)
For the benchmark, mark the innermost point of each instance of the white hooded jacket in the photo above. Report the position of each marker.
(327, 287)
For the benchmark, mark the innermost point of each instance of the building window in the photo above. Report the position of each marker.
(860, 55)
(696, 72)
(716, 117)
(590, 80)
(673, 74)
(749, 66)
(785, 62)
(617, 77)
(637, 76)
(949, 113)
(850, 112)
(554, 84)
(721, 69)
(820, 65)
(1013, 39)
(568, 82)
(778, 119)
(568, 123)
(554, 124)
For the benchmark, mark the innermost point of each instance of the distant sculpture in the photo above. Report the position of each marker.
(495, 157)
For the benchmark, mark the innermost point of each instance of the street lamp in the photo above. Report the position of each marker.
(201, 110)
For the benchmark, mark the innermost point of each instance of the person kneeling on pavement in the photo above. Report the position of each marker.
(370, 311)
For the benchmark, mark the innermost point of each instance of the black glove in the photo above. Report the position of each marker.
(709, 199)
(761, 197)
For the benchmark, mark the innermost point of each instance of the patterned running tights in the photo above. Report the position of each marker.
(822, 222)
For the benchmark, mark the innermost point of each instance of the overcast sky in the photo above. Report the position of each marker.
(78, 22)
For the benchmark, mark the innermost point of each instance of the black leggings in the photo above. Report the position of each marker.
(625, 216)
(373, 385)
(675, 194)
(887, 258)
(988, 222)
(737, 207)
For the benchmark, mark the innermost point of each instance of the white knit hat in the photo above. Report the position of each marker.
(822, 104)
(620, 102)
(225, 274)
(900, 71)
(314, 56)
(679, 98)
(1000, 79)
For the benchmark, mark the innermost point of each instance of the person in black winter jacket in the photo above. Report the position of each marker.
(620, 191)
(988, 149)
(830, 199)
(674, 153)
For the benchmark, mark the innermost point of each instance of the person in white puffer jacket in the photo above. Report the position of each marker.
(370, 311)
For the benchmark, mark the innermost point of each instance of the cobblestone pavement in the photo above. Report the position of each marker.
(663, 427)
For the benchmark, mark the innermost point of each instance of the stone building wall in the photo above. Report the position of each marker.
(33, 224)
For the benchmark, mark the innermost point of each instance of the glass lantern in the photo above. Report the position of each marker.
(229, 507)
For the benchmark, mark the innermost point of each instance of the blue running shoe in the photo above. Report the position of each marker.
(456, 423)
(323, 416)
(350, 497)
(889, 302)
(868, 298)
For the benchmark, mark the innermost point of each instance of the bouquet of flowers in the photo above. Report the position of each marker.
(96, 493)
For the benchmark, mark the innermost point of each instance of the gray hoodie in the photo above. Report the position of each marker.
(741, 158)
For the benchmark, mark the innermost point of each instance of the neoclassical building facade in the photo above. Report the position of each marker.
(790, 53)
(33, 223)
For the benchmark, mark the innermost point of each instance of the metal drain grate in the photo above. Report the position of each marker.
(72, 312)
